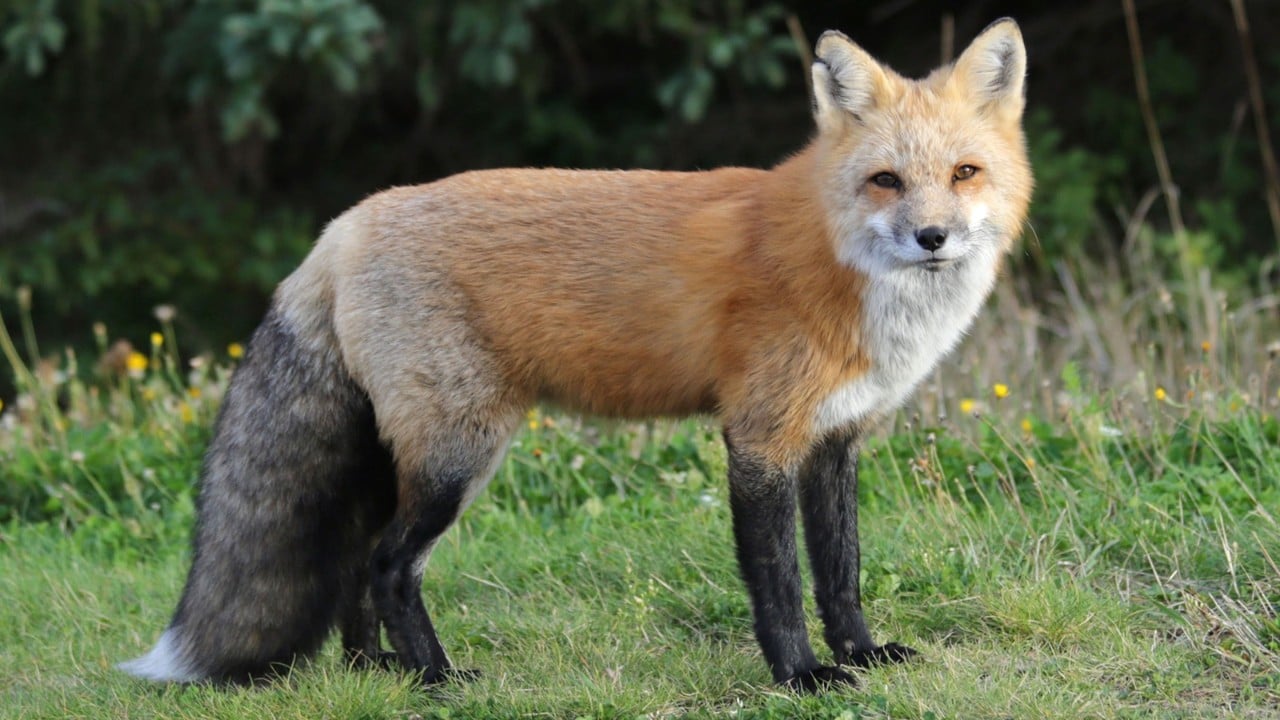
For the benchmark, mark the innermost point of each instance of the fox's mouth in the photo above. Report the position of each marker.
(934, 264)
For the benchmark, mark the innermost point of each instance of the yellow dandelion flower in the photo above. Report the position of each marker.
(235, 351)
(136, 362)
(156, 340)
(1027, 426)
(1206, 346)
(1031, 463)
(194, 392)
(967, 405)
(532, 414)
(1161, 394)
(533, 424)
(1001, 390)
(186, 413)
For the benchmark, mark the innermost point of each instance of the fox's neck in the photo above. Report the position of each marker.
(796, 247)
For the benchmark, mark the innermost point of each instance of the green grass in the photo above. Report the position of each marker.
(1091, 585)
(1083, 542)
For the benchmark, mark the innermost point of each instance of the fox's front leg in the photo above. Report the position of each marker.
(829, 503)
(763, 500)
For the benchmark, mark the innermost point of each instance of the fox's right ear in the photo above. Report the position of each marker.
(847, 81)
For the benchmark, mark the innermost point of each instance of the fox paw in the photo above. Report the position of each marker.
(819, 679)
(887, 654)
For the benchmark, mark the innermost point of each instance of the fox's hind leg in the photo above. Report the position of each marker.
(445, 410)
(371, 511)
(361, 641)
(829, 504)
(447, 419)
(435, 485)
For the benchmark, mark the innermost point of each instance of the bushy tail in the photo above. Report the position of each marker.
(294, 490)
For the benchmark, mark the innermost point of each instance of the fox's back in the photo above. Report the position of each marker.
(596, 289)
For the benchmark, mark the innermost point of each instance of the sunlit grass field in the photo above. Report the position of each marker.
(1076, 517)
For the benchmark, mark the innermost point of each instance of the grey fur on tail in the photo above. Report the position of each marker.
(295, 489)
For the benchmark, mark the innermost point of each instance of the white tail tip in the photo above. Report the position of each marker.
(165, 662)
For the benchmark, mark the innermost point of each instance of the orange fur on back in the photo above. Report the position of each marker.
(637, 293)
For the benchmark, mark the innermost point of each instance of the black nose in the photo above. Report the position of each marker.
(931, 238)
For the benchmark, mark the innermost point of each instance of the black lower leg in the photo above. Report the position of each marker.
(397, 579)
(361, 641)
(763, 504)
(371, 507)
(829, 503)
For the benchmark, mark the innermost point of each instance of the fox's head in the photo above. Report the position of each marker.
(923, 175)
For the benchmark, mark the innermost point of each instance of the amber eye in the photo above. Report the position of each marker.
(886, 180)
(964, 172)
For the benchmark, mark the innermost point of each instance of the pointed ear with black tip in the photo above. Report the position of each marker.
(847, 81)
(994, 68)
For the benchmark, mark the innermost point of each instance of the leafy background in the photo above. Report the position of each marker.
(188, 151)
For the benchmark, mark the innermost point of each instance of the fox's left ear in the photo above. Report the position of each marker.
(994, 68)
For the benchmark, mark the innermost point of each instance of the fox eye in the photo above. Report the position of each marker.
(886, 180)
(964, 172)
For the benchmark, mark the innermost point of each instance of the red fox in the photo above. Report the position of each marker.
(798, 305)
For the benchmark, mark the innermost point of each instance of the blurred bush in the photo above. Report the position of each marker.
(187, 151)
(171, 151)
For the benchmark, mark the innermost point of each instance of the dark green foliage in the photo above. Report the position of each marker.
(1071, 183)
(141, 235)
(187, 152)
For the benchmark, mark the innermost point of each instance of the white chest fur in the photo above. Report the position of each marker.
(910, 319)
